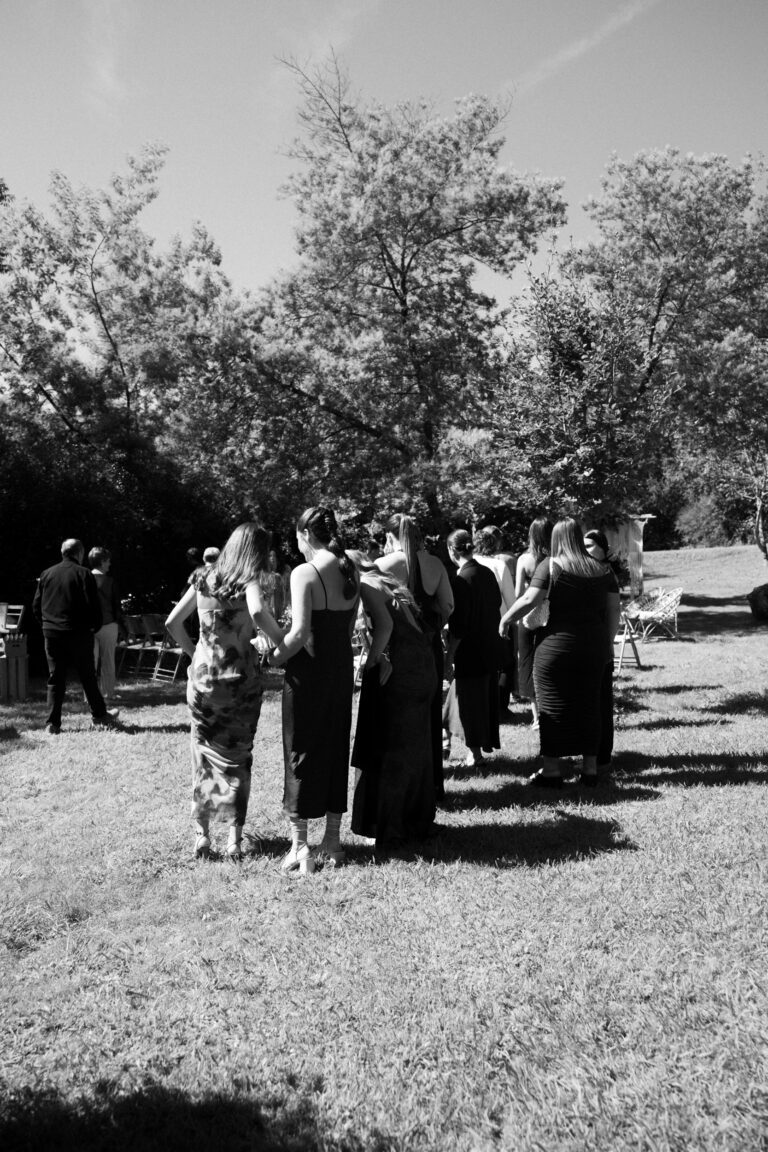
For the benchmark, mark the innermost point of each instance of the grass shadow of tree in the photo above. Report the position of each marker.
(712, 770)
(742, 704)
(667, 722)
(160, 1119)
(520, 794)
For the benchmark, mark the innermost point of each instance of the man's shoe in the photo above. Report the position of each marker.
(108, 720)
(53, 729)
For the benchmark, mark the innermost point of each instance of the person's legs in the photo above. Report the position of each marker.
(300, 857)
(82, 657)
(57, 654)
(330, 845)
(105, 645)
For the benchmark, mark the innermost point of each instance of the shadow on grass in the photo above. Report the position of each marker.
(562, 836)
(9, 732)
(159, 1119)
(680, 689)
(716, 614)
(712, 770)
(665, 722)
(521, 794)
(742, 704)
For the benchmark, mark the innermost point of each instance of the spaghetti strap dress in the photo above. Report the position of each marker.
(317, 716)
(224, 693)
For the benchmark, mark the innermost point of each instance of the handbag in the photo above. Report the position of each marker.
(538, 617)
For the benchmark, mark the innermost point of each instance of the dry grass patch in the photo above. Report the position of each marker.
(554, 971)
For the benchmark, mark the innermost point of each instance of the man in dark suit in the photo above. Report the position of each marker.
(67, 607)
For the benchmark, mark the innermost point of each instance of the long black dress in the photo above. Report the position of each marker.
(317, 717)
(395, 791)
(569, 660)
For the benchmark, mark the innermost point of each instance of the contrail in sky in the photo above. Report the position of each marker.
(553, 64)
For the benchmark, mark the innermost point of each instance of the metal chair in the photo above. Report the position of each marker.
(627, 634)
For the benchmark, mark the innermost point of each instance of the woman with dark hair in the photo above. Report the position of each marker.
(394, 789)
(224, 689)
(471, 709)
(539, 537)
(596, 544)
(570, 656)
(426, 578)
(317, 691)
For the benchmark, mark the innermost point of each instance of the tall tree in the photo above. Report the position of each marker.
(397, 209)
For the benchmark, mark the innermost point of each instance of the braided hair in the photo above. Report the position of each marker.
(321, 522)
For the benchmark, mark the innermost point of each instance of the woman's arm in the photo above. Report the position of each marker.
(375, 604)
(175, 622)
(521, 576)
(301, 621)
(261, 615)
(613, 616)
(521, 607)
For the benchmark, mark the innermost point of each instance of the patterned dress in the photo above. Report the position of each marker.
(224, 697)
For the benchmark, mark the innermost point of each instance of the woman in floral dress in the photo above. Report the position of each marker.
(224, 690)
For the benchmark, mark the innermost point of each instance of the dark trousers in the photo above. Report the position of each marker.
(63, 649)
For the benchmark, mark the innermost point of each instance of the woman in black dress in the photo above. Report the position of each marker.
(317, 691)
(471, 709)
(596, 543)
(427, 580)
(570, 656)
(395, 789)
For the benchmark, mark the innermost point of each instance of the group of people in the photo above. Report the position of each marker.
(402, 598)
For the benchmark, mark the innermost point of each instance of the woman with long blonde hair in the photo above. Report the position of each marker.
(224, 689)
(570, 656)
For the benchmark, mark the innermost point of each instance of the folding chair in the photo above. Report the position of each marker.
(656, 612)
(171, 659)
(627, 634)
(136, 643)
(361, 646)
(11, 618)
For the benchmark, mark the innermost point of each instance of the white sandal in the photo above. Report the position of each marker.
(300, 860)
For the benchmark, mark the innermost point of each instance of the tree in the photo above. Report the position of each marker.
(580, 430)
(381, 333)
(683, 249)
(95, 328)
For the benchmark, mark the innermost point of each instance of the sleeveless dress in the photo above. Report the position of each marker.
(224, 694)
(395, 788)
(317, 716)
(569, 660)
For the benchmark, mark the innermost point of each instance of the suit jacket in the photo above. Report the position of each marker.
(67, 599)
(475, 620)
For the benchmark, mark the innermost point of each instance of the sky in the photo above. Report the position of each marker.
(84, 83)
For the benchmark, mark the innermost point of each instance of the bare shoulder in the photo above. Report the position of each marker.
(394, 563)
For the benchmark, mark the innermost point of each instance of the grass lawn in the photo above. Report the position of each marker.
(559, 971)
